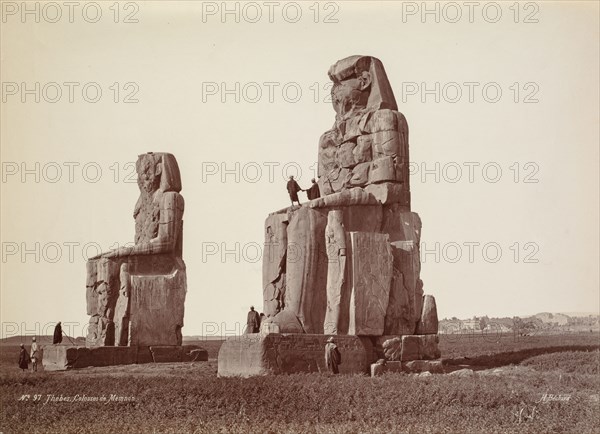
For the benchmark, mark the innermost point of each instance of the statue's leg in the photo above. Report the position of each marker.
(102, 289)
(121, 317)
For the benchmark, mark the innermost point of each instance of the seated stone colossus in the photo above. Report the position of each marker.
(135, 295)
(348, 263)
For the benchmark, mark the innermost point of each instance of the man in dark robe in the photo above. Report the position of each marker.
(293, 188)
(313, 192)
(253, 321)
(57, 334)
(333, 358)
(23, 358)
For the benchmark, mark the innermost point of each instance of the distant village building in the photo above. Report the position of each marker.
(497, 328)
(471, 324)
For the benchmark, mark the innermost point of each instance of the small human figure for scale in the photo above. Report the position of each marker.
(57, 338)
(293, 188)
(313, 192)
(333, 358)
(23, 358)
(252, 321)
(33, 354)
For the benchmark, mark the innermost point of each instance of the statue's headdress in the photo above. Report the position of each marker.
(166, 166)
(380, 92)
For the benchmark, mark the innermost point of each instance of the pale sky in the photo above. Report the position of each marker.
(186, 64)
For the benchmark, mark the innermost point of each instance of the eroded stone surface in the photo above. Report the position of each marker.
(306, 268)
(102, 292)
(337, 295)
(121, 318)
(194, 354)
(382, 169)
(274, 262)
(386, 192)
(370, 280)
(353, 196)
(252, 355)
(364, 218)
(428, 323)
(63, 357)
(400, 316)
(392, 348)
(420, 347)
(285, 321)
(163, 354)
(406, 299)
(157, 300)
(408, 347)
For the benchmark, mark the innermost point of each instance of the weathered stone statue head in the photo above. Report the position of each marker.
(148, 170)
(158, 171)
(360, 82)
(368, 144)
(157, 174)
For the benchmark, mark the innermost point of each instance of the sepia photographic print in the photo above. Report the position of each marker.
(300, 217)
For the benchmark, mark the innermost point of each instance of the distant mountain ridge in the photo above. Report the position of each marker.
(558, 318)
(579, 314)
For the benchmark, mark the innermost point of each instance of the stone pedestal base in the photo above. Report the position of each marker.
(407, 347)
(260, 354)
(286, 353)
(63, 357)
